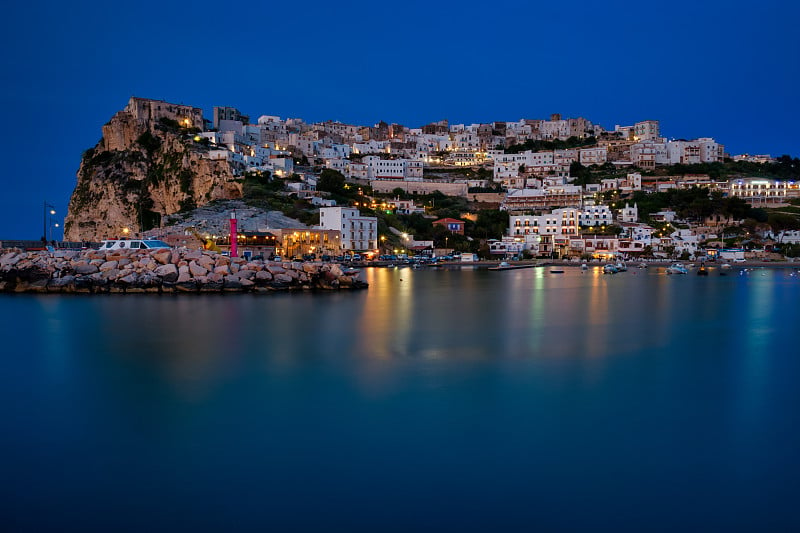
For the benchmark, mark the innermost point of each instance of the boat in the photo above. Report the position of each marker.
(621, 267)
(584, 266)
(132, 244)
(504, 265)
(556, 270)
(702, 271)
(642, 265)
(610, 269)
(350, 271)
(677, 268)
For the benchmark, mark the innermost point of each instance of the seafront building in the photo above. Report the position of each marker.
(760, 192)
(358, 233)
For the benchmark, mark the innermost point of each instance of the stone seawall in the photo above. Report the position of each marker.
(161, 271)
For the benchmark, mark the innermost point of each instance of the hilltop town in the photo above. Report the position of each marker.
(556, 188)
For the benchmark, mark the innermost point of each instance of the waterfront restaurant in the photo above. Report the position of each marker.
(301, 241)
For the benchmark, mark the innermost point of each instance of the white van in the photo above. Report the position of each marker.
(132, 244)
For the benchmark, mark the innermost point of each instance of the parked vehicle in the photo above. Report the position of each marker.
(132, 244)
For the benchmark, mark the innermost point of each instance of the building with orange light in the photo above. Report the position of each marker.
(302, 241)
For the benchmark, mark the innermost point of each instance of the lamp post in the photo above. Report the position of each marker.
(47, 209)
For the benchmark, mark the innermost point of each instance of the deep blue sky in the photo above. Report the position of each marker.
(728, 70)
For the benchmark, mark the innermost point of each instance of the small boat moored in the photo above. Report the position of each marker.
(504, 265)
(677, 268)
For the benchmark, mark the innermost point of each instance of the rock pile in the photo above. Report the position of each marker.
(162, 271)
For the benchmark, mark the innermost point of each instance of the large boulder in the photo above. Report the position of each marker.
(165, 269)
(246, 274)
(282, 278)
(163, 256)
(130, 279)
(110, 274)
(196, 270)
(10, 259)
(168, 272)
(206, 262)
(84, 268)
(108, 265)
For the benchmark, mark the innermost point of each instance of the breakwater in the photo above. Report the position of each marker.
(162, 271)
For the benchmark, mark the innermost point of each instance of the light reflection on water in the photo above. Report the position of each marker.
(556, 387)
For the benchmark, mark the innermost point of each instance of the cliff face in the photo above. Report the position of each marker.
(148, 164)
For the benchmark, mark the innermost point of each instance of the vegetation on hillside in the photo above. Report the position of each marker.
(555, 144)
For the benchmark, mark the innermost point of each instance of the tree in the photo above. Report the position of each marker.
(491, 224)
(399, 192)
(581, 174)
(331, 181)
(782, 221)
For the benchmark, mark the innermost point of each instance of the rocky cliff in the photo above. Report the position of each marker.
(149, 163)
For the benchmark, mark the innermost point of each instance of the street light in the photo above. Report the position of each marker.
(45, 212)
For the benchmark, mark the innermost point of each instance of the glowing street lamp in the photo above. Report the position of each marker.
(47, 209)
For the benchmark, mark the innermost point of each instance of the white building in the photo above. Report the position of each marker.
(596, 215)
(593, 156)
(647, 154)
(647, 130)
(359, 233)
(703, 150)
(547, 197)
(392, 169)
(629, 214)
(789, 237)
(758, 191)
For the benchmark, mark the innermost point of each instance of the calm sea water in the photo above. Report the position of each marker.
(435, 400)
